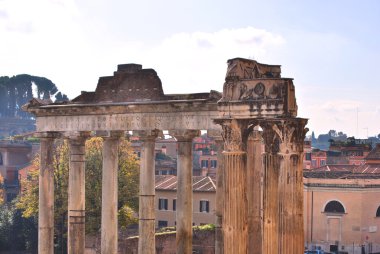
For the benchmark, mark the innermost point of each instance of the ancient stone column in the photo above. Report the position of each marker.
(109, 226)
(270, 191)
(254, 192)
(76, 195)
(219, 192)
(46, 194)
(291, 134)
(235, 230)
(184, 213)
(147, 193)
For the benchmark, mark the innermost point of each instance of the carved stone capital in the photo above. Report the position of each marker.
(48, 134)
(77, 136)
(285, 137)
(184, 135)
(146, 135)
(270, 139)
(110, 134)
(234, 132)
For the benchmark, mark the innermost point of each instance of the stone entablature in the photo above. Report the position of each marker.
(252, 89)
(132, 121)
(103, 111)
(241, 68)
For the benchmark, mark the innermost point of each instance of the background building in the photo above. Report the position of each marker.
(203, 200)
(14, 155)
(342, 206)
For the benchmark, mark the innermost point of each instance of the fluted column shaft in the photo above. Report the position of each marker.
(289, 136)
(46, 197)
(147, 193)
(109, 225)
(291, 238)
(184, 211)
(235, 203)
(235, 227)
(76, 196)
(270, 204)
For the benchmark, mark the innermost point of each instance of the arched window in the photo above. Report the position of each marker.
(334, 207)
(378, 212)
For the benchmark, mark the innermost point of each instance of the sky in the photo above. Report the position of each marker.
(330, 47)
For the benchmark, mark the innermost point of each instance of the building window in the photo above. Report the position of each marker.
(162, 223)
(334, 207)
(1, 159)
(213, 164)
(204, 206)
(162, 204)
(174, 204)
(313, 163)
(11, 196)
(378, 212)
(204, 163)
(308, 156)
(323, 162)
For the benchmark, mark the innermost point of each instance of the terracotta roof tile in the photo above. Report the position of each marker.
(344, 172)
(200, 183)
(374, 154)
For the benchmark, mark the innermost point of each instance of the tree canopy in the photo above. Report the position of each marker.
(18, 90)
(1, 189)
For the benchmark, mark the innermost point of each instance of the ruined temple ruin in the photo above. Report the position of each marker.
(259, 196)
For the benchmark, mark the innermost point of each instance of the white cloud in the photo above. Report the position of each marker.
(350, 116)
(196, 62)
(340, 106)
(48, 38)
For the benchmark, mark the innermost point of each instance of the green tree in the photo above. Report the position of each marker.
(17, 233)
(18, 90)
(1, 189)
(128, 187)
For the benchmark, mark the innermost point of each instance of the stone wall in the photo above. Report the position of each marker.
(203, 243)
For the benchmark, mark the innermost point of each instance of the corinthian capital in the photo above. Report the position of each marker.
(285, 136)
(233, 135)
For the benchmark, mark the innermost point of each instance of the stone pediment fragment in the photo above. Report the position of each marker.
(252, 89)
(129, 83)
(35, 102)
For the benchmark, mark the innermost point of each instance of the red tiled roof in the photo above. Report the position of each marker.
(24, 171)
(344, 172)
(367, 169)
(334, 168)
(200, 183)
(374, 154)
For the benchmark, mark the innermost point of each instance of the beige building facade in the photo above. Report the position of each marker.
(203, 200)
(13, 156)
(342, 213)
